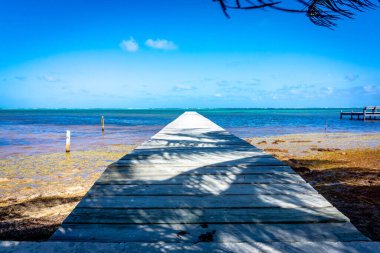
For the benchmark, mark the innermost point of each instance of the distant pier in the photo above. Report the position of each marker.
(369, 112)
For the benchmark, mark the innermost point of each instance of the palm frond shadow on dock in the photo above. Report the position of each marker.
(194, 182)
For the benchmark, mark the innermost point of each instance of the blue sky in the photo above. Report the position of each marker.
(172, 53)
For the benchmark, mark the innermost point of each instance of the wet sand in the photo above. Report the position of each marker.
(37, 192)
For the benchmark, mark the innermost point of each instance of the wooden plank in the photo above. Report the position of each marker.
(201, 158)
(221, 201)
(205, 216)
(195, 153)
(193, 156)
(128, 171)
(201, 189)
(189, 179)
(154, 150)
(199, 138)
(205, 133)
(133, 247)
(195, 168)
(202, 162)
(189, 233)
(257, 247)
(190, 144)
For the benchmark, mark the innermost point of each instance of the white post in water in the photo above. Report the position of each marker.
(102, 121)
(67, 141)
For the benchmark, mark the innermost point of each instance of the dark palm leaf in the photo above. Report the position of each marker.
(320, 12)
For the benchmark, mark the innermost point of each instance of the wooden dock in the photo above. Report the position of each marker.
(195, 182)
(369, 112)
(194, 187)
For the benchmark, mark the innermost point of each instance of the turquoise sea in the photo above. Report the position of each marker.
(29, 131)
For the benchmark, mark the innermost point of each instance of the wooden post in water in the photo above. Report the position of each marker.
(67, 141)
(102, 121)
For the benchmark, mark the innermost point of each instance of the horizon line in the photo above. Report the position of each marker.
(173, 108)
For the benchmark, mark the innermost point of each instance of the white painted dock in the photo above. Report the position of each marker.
(195, 187)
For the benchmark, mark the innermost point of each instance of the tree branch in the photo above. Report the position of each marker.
(320, 12)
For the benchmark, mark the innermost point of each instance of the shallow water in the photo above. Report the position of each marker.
(31, 131)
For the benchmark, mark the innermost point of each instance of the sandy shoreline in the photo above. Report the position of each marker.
(343, 167)
(37, 192)
(312, 143)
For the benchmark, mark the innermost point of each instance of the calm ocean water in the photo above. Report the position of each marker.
(41, 131)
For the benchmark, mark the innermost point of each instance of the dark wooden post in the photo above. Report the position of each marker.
(102, 122)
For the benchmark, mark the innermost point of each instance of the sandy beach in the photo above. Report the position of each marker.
(343, 167)
(37, 192)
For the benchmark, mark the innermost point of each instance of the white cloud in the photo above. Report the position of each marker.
(371, 89)
(161, 44)
(183, 87)
(218, 95)
(49, 78)
(129, 45)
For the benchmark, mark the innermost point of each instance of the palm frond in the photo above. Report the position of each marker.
(320, 12)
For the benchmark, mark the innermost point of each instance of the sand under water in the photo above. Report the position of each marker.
(38, 191)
